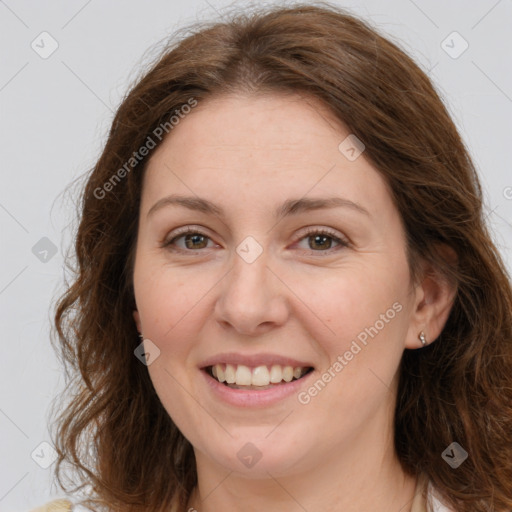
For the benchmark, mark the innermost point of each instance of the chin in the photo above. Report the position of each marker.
(256, 456)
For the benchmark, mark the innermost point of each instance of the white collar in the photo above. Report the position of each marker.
(434, 500)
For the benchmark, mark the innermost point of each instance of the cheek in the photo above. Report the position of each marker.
(367, 314)
(353, 298)
(166, 297)
(365, 310)
(169, 301)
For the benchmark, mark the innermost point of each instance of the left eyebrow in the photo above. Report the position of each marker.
(295, 206)
(289, 207)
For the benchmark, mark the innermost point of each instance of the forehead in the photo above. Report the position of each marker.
(244, 123)
(262, 149)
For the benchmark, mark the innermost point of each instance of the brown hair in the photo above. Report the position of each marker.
(115, 433)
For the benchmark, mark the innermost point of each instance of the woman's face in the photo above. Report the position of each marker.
(295, 258)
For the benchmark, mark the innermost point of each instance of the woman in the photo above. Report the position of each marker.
(286, 296)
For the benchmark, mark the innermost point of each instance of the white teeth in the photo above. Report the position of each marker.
(242, 375)
(276, 374)
(260, 376)
(230, 374)
(288, 373)
(221, 376)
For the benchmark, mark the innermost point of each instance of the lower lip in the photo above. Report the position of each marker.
(254, 397)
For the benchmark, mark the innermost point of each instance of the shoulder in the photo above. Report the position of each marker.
(55, 506)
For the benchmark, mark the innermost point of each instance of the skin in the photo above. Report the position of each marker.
(303, 298)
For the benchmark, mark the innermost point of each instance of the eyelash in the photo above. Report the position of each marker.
(311, 231)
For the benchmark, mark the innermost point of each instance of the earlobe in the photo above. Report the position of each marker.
(435, 298)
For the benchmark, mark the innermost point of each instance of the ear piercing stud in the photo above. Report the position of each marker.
(422, 338)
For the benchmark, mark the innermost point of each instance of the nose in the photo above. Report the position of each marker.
(252, 299)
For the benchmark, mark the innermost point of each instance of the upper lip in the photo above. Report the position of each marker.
(253, 360)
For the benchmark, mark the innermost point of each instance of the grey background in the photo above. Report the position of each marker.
(55, 114)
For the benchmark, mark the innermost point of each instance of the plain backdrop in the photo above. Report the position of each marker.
(56, 109)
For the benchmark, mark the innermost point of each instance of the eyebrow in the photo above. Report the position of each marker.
(289, 207)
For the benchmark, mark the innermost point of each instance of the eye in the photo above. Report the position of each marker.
(193, 240)
(321, 240)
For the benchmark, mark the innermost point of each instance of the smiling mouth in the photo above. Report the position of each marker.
(257, 378)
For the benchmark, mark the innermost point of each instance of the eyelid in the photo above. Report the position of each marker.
(184, 230)
(322, 230)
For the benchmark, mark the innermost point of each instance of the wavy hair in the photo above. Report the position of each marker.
(112, 433)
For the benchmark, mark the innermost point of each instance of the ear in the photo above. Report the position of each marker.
(434, 297)
(136, 317)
